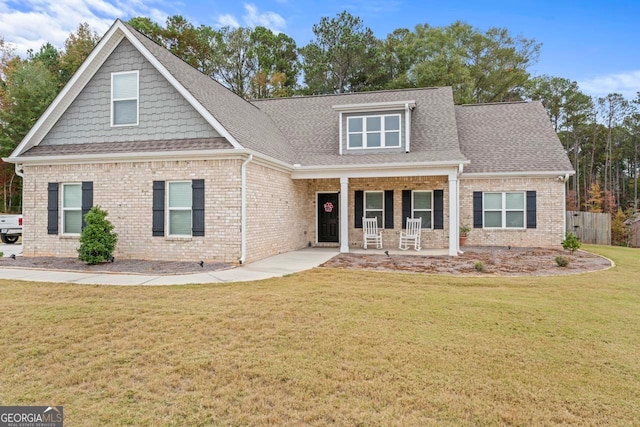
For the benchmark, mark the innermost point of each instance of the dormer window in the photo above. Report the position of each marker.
(383, 126)
(124, 98)
(375, 131)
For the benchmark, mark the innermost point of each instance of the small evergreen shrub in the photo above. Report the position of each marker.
(479, 266)
(571, 242)
(97, 240)
(562, 261)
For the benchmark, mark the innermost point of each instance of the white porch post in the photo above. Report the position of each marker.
(454, 213)
(344, 215)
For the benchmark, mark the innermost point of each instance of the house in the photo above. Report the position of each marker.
(188, 170)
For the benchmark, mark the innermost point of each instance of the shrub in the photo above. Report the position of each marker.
(562, 261)
(571, 242)
(97, 240)
(479, 266)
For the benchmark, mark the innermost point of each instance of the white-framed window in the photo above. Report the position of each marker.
(374, 206)
(422, 207)
(72, 209)
(179, 208)
(503, 210)
(380, 131)
(124, 98)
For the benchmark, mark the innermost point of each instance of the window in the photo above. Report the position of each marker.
(71, 208)
(381, 131)
(422, 207)
(504, 210)
(179, 208)
(374, 206)
(124, 99)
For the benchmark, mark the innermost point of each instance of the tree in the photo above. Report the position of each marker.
(343, 57)
(97, 240)
(77, 47)
(276, 63)
(594, 201)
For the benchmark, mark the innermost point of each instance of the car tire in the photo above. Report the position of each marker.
(10, 240)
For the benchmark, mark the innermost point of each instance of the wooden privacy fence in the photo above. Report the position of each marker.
(590, 227)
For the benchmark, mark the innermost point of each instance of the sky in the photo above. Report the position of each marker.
(596, 43)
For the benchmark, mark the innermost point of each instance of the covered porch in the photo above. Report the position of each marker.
(340, 199)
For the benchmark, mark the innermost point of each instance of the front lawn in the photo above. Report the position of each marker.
(331, 347)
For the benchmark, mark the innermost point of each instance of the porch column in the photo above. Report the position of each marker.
(454, 213)
(344, 215)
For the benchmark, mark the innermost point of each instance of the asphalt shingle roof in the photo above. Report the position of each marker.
(128, 147)
(251, 127)
(509, 137)
(311, 126)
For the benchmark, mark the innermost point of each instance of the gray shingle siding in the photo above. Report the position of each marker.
(164, 114)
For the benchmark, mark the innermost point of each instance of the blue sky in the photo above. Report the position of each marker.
(596, 43)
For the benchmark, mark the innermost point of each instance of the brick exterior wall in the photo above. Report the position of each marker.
(277, 214)
(125, 190)
(550, 205)
(430, 238)
(164, 114)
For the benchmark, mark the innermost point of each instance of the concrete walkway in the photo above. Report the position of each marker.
(275, 266)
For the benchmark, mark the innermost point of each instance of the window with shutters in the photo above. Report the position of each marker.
(422, 207)
(124, 98)
(503, 210)
(71, 209)
(179, 208)
(374, 206)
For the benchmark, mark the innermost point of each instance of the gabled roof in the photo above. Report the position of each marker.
(241, 123)
(509, 137)
(311, 126)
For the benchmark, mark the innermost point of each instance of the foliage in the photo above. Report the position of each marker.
(479, 266)
(571, 242)
(562, 261)
(464, 229)
(594, 202)
(342, 58)
(619, 230)
(97, 240)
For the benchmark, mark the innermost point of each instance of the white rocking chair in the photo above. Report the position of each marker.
(411, 234)
(371, 233)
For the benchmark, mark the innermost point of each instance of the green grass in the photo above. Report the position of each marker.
(331, 347)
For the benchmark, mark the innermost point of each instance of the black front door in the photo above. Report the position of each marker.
(328, 222)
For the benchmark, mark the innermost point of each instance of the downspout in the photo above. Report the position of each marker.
(243, 210)
(19, 170)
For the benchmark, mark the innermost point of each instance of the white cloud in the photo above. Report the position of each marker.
(227, 21)
(252, 18)
(627, 83)
(41, 21)
(270, 20)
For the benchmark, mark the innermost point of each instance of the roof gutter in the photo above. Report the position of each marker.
(243, 210)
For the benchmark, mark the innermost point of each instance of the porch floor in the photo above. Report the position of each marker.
(396, 251)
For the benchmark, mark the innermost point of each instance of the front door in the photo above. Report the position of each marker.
(328, 222)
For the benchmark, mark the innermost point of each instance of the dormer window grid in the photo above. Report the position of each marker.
(374, 131)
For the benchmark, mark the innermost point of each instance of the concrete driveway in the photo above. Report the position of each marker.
(8, 250)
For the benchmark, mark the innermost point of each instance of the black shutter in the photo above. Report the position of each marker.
(406, 207)
(158, 208)
(477, 209)
(438, 209)
(359, 208)
(388, 209)
(197, 209)
(87, 199)
(52, 208)
(531, 209)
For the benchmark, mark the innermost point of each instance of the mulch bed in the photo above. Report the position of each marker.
(499, 261)
(131, 266)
